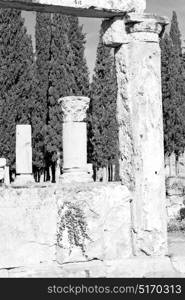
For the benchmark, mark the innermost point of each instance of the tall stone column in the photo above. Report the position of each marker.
(75, 168)
(139, 113)
(23, 155)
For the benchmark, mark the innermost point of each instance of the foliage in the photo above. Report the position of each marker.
(173, 91)
(79, 70)
(40, 103)
(104, 127)
(72, 219)
(16, 84)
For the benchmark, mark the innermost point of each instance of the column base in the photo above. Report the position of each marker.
(24, 179)
(75, 175)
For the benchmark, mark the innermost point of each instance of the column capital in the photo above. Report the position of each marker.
(122, 30)
(74, 108)
(150, 23)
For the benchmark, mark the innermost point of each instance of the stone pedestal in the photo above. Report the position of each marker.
(138, 65)
(75, 168)
(23, 155)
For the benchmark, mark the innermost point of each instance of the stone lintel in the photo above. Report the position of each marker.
(122, 30)
(74, 108)
(81, 8)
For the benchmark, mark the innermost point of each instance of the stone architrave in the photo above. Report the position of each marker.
(83, 8)
(23, 155)
(75, 168)
(139, 100)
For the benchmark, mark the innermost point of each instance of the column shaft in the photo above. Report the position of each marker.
(139, 113)
(147, 131)
(75, 168)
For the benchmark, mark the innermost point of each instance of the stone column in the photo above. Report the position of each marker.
(75, 168)
(23, 155)
(139, 113)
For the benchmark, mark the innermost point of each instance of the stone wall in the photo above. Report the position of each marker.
(31, 244)
(30, 221)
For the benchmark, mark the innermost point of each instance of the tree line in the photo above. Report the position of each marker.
(31, 82)
(173, 90)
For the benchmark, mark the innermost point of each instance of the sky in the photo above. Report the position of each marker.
(92, 26)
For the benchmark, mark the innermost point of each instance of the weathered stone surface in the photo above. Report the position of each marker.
(174, 204)
(115, 32)
(23, 155)
(74, 108)
(176, 244)
(107, 211)
(147, 129)
(178, 263)
(74, 136)
(88, 8)
(28, 220)
(23, 149)
(139, 267)
(123, 118)
(140, 122)
(75, 145)
(129, 268)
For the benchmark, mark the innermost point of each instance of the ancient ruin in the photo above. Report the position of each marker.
(75, 139)
(126, 223)
(23, 155)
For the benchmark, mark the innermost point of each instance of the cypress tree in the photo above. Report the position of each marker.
(16, 85)
(104, 127)
(40, 116)
(61, 71)
(175, 34)
(173, 112)
(61, 83)
(79, 71)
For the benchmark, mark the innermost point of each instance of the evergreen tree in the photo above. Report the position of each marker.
(68, 76)
(61, 71)
(16, 85)
(80, 70)
(61, 83)
(40, 115)
(173, 111)
(175, 34)
(104, 127)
